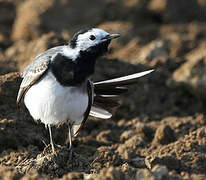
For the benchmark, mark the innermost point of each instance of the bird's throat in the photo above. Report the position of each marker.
(72, 73)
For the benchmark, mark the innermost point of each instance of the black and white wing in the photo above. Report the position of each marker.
(107, 94)
(34, 71)
(90, 91)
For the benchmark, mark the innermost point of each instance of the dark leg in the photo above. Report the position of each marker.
(70, 139)
(51, 140)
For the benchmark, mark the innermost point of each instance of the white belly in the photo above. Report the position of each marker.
(52, 103)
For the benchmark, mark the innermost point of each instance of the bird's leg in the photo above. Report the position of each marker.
(51, 140)
(70, 139)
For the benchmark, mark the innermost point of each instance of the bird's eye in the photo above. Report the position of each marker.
(92, 37)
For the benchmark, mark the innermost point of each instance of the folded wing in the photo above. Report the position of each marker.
(31, 77)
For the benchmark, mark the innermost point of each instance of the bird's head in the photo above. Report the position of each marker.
(95, 41)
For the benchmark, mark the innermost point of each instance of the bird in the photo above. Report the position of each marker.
(57, 86)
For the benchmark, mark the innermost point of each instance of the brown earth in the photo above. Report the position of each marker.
(159, 131)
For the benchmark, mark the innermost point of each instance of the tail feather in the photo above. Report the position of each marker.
(106, 93)
(99, 112)
(107, 101)
(122, 81)
(111, 91)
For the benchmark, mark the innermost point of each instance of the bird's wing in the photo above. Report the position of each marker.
(107, 93)
(90, 90)
(92, 110)
(32, 75)
(34, 71)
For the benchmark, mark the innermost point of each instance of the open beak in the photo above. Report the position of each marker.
(111, 36)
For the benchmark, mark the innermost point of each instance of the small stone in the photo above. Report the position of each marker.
(144, 174)
(138, 162)
(160, 172)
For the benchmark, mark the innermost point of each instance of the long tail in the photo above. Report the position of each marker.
(107, 94)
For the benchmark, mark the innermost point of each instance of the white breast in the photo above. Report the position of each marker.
(52, 103)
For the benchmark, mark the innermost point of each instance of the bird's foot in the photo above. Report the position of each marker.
(50, 149)
(70, 153)
(53, 149)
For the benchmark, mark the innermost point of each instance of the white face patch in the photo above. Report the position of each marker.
(90, 38)
(71, 53)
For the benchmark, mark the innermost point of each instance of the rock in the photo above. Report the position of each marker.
(144, 174)
(164, 135)
(192, 74)
(138, 162)
(160, 172)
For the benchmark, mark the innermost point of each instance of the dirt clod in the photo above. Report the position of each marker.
(164, 135)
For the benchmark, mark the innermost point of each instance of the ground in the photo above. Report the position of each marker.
(158, 132)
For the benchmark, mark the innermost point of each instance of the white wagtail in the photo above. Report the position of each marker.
(57, 86)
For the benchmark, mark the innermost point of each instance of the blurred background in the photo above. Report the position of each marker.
(161, 125)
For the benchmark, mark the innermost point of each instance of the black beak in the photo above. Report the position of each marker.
(111, 36)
